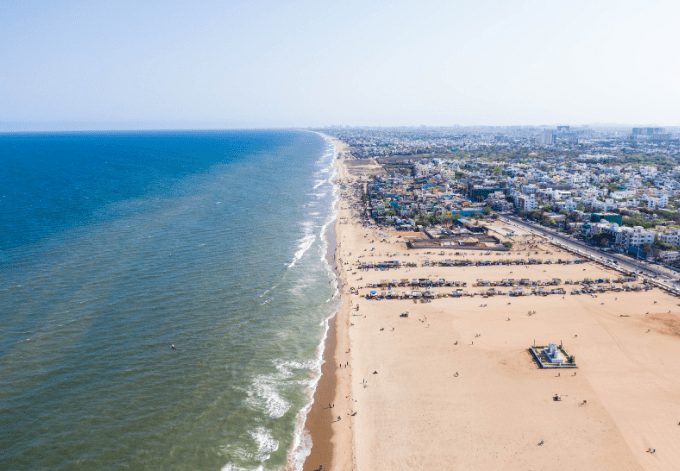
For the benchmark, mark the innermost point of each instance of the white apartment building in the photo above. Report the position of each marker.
(659, 201)
(526, 203)
(636, 236)
(668, 256)
(671, 236)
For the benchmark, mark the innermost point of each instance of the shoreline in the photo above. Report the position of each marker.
(320, 420)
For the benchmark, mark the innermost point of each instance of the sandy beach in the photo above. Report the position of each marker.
(453, 385)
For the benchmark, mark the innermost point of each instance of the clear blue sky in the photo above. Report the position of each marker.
(179, 64)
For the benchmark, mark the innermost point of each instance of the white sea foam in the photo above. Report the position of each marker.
(266, 443)
(233, 467)
(302, 451)
(265, 394)
(304, 243)
(302, 441)
(303, 246)
(286, 367)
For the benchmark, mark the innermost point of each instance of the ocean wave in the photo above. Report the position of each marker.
(301, 450)
(303, 246)
(266, 445)
(318, 194)
(286, 367)
(233, 467)
(265, 394)
(265, 390)
(304, 243)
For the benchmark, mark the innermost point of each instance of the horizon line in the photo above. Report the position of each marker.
(122, 129)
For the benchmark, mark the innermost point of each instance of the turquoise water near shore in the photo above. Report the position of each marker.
(113, 246)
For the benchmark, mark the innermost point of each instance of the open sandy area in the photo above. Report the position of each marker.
(453, 386)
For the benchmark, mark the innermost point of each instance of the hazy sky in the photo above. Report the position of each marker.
(153, 64)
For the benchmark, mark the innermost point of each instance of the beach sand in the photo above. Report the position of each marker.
(453, 386)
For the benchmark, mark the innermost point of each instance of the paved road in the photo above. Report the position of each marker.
(660, 276)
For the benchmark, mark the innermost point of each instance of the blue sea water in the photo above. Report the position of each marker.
(113, 246)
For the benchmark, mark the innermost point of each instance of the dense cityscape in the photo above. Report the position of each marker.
(614, 188)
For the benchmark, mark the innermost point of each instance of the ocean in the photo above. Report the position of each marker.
(116, 246)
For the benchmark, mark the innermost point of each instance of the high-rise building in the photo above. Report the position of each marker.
(649, 134)
(547, 138)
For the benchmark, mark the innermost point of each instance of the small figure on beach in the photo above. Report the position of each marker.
(541, 443)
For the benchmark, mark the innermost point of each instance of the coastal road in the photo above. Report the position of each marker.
(660, 276)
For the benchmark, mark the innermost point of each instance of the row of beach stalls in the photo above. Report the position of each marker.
(505, 282)
(483, 263)
(514, 292)
(554, 282)
(385, 265)
(459, 293)
(417, 282)
(520, 282)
